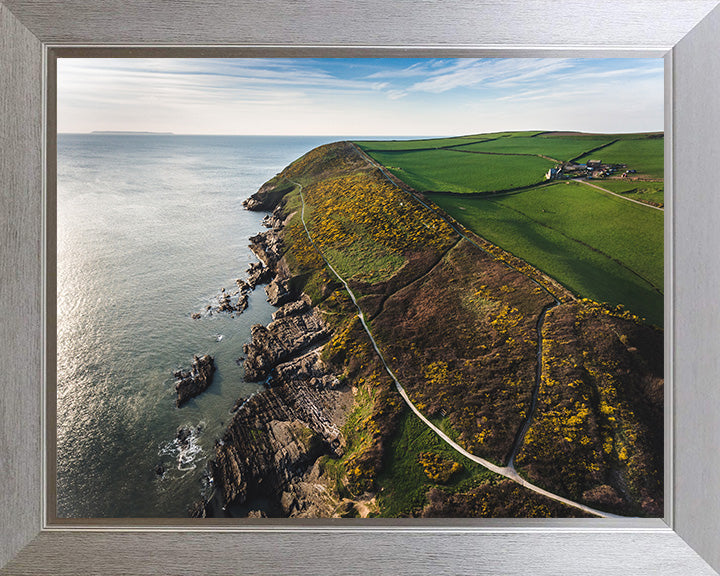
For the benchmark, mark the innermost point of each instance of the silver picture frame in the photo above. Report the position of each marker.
(686, 33)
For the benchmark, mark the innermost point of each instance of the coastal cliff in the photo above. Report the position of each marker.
(480, 341)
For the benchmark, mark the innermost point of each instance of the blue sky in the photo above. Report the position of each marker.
(360, 97)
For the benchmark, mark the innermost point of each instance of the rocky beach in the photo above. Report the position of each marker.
(271, 448)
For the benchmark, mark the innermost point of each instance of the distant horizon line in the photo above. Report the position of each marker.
(165, 133)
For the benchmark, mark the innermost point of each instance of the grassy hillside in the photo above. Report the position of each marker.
(640, 190)
(598, 246)
(593, 387)
(560, 149)
(463, 172)
(456, 321)
(646, 155)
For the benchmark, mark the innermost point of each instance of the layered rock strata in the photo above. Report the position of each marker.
(272, 445)
(296, 327)
(272, 440)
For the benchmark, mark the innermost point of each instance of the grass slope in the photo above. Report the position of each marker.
(593, 243)
(640, 190)
(557, 148)
(406, 482)
(403, 481)
(643, 154)
(463, 172)
(372, 145)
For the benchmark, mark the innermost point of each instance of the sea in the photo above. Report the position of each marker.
(150, 229)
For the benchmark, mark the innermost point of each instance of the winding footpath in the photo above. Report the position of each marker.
(506, 471)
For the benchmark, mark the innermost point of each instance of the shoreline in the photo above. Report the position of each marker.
(298, 413)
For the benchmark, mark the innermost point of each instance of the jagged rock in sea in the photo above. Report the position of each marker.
(228, 305)
(190, 383)
(287, 336)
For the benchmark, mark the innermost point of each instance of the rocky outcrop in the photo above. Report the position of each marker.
(269, 195)
(268, 247)
(272, 445)
(233, 302)
(272, 440)
(278, 292)
(258, 273)
(295, 328)
(309, 369)
(190, 383)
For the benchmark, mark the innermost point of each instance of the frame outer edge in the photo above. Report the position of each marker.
(394, 554)
(653, 23)
(20, 300)
(20, 284)
(697, 296)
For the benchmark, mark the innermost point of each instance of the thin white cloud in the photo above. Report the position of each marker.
(396, 94)
(492, 73)
(439, 96)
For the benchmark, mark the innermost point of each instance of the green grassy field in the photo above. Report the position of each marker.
(599, 246)
(520, 134)
(645, 155)
(637, 190)
(369, 145)
(420, 143)
(448, 170)
(561, 149)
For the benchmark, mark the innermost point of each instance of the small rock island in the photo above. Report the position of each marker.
(190, 383)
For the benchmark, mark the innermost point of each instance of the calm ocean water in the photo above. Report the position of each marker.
(150, 229)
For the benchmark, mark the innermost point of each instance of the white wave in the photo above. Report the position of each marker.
(187, 451)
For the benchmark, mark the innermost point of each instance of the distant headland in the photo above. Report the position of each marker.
(131, 132)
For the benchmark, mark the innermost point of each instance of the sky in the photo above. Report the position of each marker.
(359, 97)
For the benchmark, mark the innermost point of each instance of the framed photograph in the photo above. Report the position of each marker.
(445, 326)
(342, 281)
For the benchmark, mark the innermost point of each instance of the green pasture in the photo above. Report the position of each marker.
(599, 246)
(636, 190)
(448, 170)
(495, 135)
(646, 155)
(371, 145)
(432, 143)
(560, 149)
